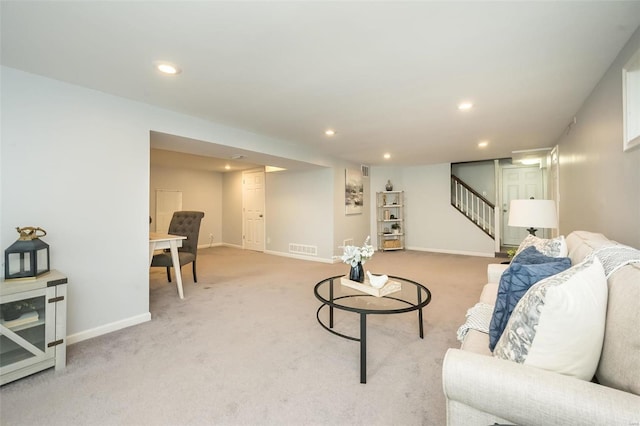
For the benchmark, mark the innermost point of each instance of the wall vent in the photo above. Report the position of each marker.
(303, 249)
(365, 170)
(347, 242)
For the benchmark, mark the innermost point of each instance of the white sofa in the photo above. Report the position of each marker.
(483, 390)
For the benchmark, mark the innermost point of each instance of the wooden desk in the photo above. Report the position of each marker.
(166, 241)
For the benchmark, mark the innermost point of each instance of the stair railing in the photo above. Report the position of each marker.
(474, 206)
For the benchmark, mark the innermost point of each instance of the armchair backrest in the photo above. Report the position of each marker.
(187, 224)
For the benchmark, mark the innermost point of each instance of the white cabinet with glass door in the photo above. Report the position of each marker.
(32, 325)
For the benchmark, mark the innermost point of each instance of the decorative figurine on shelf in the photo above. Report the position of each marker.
(389, 186)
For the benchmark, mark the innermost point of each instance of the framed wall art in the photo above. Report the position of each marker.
(353, 192)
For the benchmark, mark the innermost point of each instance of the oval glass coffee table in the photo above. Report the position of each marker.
(412, 296)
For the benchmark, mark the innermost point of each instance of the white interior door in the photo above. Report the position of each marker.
(167, 202)
(518, 183)
(253, 210)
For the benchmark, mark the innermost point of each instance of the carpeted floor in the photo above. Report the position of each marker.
(244, 348)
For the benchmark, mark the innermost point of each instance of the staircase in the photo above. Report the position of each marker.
(474, 206)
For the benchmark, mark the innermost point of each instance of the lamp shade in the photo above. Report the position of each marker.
(533, 213)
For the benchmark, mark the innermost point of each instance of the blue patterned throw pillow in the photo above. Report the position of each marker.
(527, 269)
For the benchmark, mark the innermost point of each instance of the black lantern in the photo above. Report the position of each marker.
(28, 257)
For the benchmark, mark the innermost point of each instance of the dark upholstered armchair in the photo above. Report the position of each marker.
(186, 224)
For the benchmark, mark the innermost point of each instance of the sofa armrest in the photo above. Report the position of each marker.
(494, 272)
(526, 395)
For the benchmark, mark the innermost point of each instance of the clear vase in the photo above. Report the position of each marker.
(357, 273)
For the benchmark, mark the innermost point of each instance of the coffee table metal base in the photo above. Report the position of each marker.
(363, 320)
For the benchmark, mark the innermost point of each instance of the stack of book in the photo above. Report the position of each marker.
(23, 319)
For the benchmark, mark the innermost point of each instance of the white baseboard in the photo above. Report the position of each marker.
(203, 246)
(300, 257)
(279, 253)
(108, 328)
(238, 246)
(460, 252)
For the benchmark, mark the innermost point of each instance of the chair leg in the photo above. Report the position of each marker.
(195, 279)
(169, 274)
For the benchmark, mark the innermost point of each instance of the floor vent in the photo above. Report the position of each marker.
(347, 242)
(304, 249)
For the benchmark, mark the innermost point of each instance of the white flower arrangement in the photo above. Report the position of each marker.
(354, 254)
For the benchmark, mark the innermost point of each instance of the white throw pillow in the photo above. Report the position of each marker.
(558, 325)
(554, 247)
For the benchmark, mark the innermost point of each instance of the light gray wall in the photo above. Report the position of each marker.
(480, 176)
(599, 183)
(232, 208)
(353, 226)
(299, 210)
(201, 191)
(88, 181)
(87, 156)
(431, 223)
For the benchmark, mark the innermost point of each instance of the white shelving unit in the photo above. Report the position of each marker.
(36, 339)
(390, 219)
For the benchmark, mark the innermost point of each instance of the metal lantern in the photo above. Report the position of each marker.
(28, 257)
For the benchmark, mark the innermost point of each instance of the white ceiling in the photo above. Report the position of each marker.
(387, 76)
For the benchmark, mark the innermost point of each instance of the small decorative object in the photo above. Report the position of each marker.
(389, 186)
(395, 227)
(28, 257)
(377, 281)
(356, 257)
(356, 273)
(13, 310)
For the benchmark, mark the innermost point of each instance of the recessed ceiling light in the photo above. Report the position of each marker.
(463, 106)
(167, 68)
(387, 156)
(227, 167)
(330, 132)
(483, 144)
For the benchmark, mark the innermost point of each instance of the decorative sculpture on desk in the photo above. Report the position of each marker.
(377, 281)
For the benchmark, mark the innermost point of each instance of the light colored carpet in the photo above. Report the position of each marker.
(244, 348)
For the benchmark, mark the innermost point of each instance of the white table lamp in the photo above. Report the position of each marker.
(533, 213)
